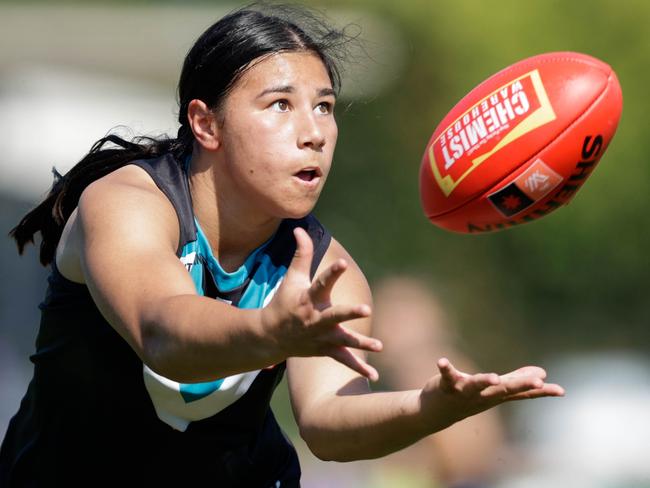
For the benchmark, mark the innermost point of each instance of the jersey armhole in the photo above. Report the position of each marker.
(319, 252)
(170, 179)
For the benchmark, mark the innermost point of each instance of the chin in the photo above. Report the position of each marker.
(296, 210)
(297, 213)
(286, 203)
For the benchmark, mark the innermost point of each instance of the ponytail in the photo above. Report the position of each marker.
(50, 216)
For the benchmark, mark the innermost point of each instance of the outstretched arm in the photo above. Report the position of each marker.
(341, 419)
(123, 238)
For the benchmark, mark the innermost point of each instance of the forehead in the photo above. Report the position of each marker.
(300, 69)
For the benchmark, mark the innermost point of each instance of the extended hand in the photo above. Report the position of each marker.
(306, 323)
(460, 395)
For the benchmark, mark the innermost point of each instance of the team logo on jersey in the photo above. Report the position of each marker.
(188, 260)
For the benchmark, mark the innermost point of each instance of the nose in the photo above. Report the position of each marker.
(310, 134)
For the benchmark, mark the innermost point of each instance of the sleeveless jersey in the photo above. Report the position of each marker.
(95, 414)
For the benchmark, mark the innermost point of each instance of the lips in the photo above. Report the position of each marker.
(309, 173)
(306, 174)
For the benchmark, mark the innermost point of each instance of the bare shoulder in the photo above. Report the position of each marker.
(124, 204)
(128, 192)
(128, 182)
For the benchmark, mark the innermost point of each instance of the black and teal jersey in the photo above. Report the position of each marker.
(95, 414)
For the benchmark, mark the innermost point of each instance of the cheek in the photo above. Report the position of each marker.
(253, 164)
(335, 134)
(330, 146)
(261, 138)
(334, 130)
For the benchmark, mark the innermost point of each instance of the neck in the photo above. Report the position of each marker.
(232, 227)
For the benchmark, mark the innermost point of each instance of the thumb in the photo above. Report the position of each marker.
(448, 374)
(303, 256)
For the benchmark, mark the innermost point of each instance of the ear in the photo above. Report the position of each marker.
(204, 125)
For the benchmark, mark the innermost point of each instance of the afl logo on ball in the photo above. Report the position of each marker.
(530, 187)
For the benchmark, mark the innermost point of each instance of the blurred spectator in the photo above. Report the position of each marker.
(416, 333)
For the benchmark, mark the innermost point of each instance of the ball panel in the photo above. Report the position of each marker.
(502, 123)
(548, 180)
(554, 93)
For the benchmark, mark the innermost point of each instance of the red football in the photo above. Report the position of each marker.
(521, 143)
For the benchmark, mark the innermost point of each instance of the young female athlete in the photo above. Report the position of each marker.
(188, 273)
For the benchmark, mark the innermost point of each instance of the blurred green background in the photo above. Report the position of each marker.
(575, 281)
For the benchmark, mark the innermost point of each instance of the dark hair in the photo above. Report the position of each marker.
(214, 64)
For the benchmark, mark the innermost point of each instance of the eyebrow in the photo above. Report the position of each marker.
(290, 89)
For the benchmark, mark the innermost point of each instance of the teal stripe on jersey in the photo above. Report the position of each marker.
(226, 281)
(261, 286)
(195, 391)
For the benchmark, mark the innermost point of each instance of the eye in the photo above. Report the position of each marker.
(325, 108)
(280, 105)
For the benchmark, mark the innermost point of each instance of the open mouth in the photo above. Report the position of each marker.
(308, 174)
